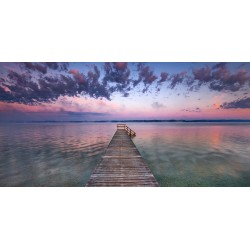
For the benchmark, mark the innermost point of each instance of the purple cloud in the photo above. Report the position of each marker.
(177, 78)
(164, 77)
(35, 67)
(219, 65)
(145, 74)
(243, 103)
(202, 74)
(220, 78)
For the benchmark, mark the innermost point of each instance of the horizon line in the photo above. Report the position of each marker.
(134, 120)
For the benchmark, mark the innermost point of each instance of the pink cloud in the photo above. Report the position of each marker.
(120, 65)
(79, 77)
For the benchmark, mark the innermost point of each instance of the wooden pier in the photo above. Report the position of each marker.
(122, 164)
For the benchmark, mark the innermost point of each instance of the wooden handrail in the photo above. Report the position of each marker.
(125, 127)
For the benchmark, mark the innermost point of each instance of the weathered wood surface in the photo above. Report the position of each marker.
(122, 165)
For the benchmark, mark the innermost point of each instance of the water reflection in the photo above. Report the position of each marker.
(196, 154)
(179, 154)
(51, 154)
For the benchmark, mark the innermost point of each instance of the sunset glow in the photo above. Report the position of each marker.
(111, 91)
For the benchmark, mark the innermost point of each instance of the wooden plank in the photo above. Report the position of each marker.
(122, 164)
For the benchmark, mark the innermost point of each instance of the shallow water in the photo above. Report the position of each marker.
(196, 154)
(179, 154)
(51, 154)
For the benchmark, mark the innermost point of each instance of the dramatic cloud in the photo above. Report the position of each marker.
(219, 65)
(220, 78)
(177, 78)
(243, 103)
(43, 67)
(217, 77)
(57, 66)
(223, 80)
(5, 94)
(119, 74)
(120, 65)
(79, 77)
(164, 77)
(145, 75)
(37, 82)
(116, 72)
(202, 75)
(36, 67)
(23, 88)
(95, 88)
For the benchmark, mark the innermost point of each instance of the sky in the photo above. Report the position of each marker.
(82, 91)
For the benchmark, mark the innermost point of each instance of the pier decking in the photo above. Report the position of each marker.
(122, 164)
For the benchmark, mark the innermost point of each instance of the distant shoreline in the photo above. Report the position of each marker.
(129, 121)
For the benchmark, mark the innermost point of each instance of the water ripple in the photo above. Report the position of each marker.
(51, 155)
(178, 154)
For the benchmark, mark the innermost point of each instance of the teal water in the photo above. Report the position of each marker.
(178, 154)
(196, 154)
(51, 154)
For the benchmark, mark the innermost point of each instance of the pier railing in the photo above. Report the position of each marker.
(125, 127)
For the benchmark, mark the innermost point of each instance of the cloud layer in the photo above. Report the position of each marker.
(219, 78)
(243, 103)
(32, 82)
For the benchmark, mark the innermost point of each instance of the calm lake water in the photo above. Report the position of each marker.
(178, 154)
